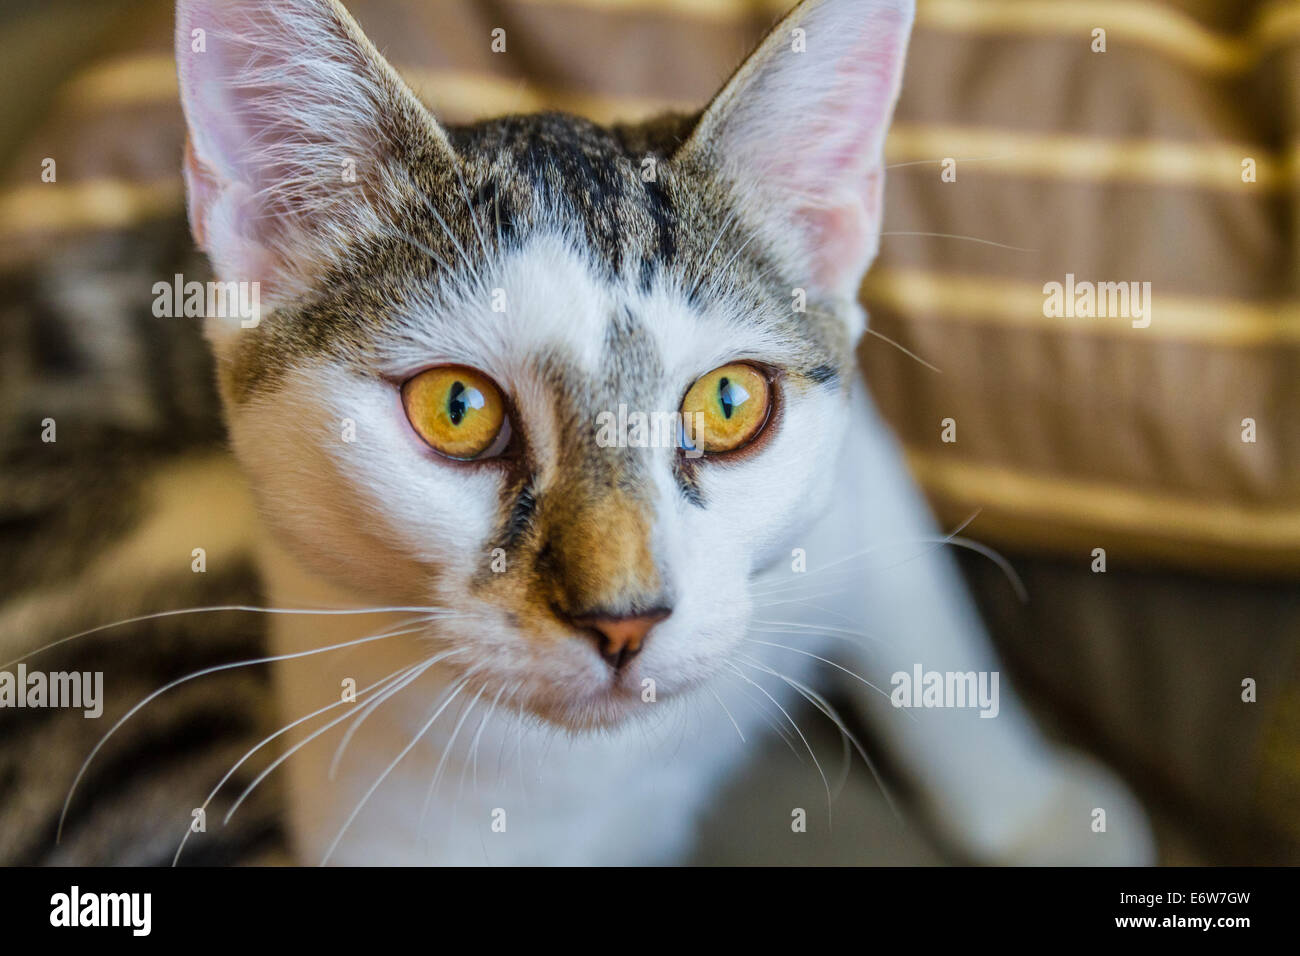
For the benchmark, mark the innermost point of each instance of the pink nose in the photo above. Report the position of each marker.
(620, 639)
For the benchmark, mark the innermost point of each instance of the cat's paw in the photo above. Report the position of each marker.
(1081, 814)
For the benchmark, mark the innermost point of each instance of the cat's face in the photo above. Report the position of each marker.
(464, 393)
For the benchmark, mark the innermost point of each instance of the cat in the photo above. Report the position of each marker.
(518, 641)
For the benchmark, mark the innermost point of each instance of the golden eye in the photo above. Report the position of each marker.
(458, 411)
(726, 409)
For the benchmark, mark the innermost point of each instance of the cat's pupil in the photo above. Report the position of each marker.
(460, 399)
(456, 405)
(730, 395)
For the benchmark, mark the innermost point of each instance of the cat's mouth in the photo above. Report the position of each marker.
(574, 672)
(612, 699)
(589, 694)
(599, 709)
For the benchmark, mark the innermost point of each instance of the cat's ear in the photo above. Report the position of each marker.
(299, 136)
(798, 132)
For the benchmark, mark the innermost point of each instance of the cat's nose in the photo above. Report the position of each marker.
(619, 638)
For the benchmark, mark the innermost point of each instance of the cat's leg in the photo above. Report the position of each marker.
(991, 781)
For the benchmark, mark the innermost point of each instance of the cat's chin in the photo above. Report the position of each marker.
(601, 709)
(607, 707)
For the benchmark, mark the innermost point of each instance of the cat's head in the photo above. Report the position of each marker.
(469, 335)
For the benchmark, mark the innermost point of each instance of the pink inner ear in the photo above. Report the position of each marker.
(811, 127)
(282, 94)
(841, 237)
(221, 180)
(843, 168)
(866, 87)
(214, 104)
(220, 223)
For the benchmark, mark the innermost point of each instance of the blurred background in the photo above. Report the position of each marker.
(1145, 141)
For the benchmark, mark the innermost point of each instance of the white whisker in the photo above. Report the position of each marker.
(819, 630)
(273, 658)
(266, 740)
(856, 555)
(948, 235)
(469, 206)
(473, 746)
(469, 264)
(906, 351)
(796, 650)
(387, 770)
(424, 247)
(157, 615)
(446, 752)
(934, 162)
(735, 255)
(404, 678)
(762, 710)
(820, 702)
(367, 711)
(718, 698)
(704, 262)
(816, 762)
